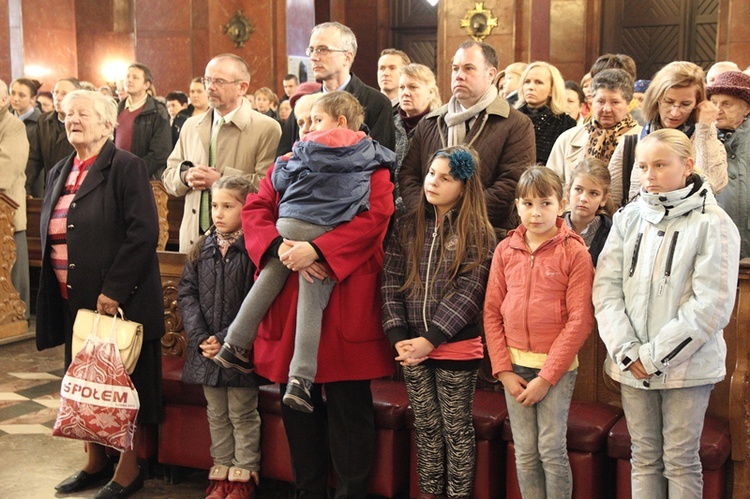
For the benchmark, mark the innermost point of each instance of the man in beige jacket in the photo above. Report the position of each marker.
(14, 152)
(229, 139)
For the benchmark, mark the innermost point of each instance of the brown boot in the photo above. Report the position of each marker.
(424, 495)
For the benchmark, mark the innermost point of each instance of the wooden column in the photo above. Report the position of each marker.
(12, 308)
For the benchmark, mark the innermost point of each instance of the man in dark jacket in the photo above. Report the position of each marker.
(143, 122)
(477, 117)
(50, 143)
(332, 49)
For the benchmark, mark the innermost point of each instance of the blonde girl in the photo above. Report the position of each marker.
(590, 205)
(434, 278)
(537, 315)
(664, 290)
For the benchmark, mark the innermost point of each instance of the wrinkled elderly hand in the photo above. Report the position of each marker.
(106, 305)
(706, 113)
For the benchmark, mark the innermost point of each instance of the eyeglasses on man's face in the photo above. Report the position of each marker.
(219, 82)
(322, 51)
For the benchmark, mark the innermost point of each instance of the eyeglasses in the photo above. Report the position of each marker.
(216, 81)
(673, 105)
(322, 50)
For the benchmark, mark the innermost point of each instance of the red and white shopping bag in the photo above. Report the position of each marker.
(98, 402)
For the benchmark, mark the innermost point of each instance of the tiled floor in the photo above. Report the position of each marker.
(32, 461)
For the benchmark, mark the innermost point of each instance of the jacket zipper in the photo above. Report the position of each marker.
(526, 310)
(671, 355)
(427, 277)
(668, 267)
(634, 260)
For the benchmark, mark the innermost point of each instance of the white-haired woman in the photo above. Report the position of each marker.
(418, 95)
(99, 230)
(542, 98)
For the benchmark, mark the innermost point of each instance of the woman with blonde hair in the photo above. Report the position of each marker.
(418, 96)
(676, 98)
(542, 98)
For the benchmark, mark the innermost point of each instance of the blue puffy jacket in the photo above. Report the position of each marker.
(327, 180)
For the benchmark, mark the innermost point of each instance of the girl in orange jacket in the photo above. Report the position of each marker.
(537, 315)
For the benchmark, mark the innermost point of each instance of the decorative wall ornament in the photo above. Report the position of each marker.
(239, 29)
(478, 22)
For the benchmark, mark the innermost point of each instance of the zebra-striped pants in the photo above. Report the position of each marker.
(442, 400)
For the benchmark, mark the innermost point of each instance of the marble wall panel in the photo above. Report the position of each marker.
(5, 73)
(260, 50)
(361, 17)
(567, 47)
(98, 49)
(300, 20)
(49, 40)
(169, 59)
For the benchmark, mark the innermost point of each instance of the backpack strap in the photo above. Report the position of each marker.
(628, 159)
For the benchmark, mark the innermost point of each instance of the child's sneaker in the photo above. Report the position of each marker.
(233, 357)
(241, 484)
(297, 395)
(217, 488)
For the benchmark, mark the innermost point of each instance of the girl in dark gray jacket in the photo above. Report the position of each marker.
(216, 278)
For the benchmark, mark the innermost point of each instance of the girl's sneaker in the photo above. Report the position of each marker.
(298, 394)
(217, 488)
(241, 484)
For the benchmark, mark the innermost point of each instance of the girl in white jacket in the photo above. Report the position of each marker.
(664, 289)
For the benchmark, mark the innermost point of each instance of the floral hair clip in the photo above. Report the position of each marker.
(461, 163)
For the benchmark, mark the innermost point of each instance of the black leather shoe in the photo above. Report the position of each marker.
(114, 490)
(82, 480)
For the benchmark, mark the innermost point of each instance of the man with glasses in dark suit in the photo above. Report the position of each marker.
(332, 49)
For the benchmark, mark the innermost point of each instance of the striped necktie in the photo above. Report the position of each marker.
(205, 208)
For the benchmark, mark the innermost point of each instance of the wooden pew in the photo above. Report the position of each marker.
(737, 390)
(730, 398)
(33, 241)
(12, 308)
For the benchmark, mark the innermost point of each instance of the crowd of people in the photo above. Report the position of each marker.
(416, 230)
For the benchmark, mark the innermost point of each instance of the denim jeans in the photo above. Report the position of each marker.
(665, 428)
(539, 436)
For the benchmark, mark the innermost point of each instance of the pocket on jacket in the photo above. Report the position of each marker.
(359, 308)
(555, 312)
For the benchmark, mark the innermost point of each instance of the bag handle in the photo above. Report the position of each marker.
(113, 332)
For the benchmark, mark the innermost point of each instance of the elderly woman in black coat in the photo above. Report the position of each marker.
(99, 232)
